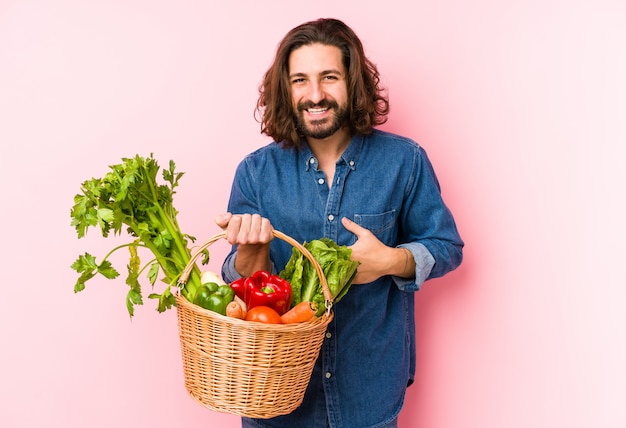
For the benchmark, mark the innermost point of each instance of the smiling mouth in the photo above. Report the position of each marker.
(317, 111)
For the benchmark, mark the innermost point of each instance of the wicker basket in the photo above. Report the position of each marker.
(248, 368)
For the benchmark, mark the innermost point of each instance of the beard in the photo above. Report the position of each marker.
(322, 128)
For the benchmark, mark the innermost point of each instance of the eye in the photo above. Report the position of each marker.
(297, 80)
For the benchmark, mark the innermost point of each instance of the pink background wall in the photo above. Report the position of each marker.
(520, 104)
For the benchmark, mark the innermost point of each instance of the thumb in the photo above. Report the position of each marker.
(223, 219)
(352, 226)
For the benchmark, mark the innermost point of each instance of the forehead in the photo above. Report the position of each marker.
(315, 59)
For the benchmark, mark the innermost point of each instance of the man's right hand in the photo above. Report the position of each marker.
(253, 234)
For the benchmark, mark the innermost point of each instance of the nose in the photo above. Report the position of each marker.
(316, 94)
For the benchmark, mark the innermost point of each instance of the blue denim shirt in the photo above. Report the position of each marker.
(386, 184)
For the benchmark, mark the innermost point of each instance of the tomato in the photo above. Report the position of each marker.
(263, 314)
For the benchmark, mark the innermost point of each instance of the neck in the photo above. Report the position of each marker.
(331, 148)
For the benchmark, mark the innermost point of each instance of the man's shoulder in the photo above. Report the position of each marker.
(389, 140)
(271, 149)
(270, 153)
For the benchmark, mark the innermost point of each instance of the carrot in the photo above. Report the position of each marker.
(235, 309)
(303, 311)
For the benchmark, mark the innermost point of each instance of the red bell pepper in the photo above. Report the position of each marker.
(264, 289)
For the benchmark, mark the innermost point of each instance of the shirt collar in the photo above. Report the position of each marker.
(350, 156)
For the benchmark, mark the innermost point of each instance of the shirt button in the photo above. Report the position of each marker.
(329, 335)
(331, 217)
(320, 181)
(312, 160)
(328, 375)
(351, 163)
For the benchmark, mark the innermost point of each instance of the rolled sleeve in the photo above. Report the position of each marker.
(424, 262)
(230, 274)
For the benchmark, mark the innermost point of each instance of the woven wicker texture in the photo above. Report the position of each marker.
(248, 368)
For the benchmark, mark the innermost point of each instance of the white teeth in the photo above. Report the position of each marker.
(316, 110)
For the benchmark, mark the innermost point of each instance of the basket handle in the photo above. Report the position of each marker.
(328, 297)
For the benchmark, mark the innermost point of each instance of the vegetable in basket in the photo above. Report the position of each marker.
(264, 289)
(302, 312)
(263, 314)
(336, 263)
(130, 196)
(210, 276)
(236, 309)
(214, 297)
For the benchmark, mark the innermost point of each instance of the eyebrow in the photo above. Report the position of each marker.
(322, 73)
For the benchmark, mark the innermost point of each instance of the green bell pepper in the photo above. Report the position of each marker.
(214, 297)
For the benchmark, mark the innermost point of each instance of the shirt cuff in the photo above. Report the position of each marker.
(424, 262)
(230, 274)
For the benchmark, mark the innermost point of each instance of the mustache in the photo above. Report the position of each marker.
(304, 105)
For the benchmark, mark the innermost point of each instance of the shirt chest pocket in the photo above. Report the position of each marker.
(382, 225)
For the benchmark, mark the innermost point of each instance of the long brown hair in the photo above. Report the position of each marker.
(368, 105)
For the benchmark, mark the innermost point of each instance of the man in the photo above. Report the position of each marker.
(330, 173)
